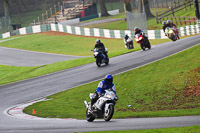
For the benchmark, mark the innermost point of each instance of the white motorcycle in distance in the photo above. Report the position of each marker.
(129, 44)
(103, 108)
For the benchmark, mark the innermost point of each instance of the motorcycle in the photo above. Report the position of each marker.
(172, 33)
(144, 42)
(100, 57)
(129, 43)
(102, 108)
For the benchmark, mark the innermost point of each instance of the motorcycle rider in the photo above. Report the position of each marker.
(126, 37)
(101, 46)
(171, 25)
(139, 31)
(168, 24)
(103, 85)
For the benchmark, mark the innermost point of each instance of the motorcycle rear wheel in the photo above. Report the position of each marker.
(130, 46)
(107, 61)
(89, 116)
(108, 115)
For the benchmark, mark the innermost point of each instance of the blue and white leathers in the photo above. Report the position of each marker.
(105, 85)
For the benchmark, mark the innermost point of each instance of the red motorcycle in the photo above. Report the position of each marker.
(143, 41)
(172, 33)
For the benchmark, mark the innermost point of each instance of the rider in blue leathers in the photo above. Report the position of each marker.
(106, 84)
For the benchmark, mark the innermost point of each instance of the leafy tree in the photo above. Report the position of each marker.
(127, 6)
(104, 11)
(144, 4)
(6, 12)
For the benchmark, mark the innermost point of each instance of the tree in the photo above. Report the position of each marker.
(104, 11)
(6, 12)
(145, 7)
(127, 6)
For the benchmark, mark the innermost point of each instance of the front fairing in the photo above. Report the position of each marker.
(139, 38)
(169, 30)
(108, 96)
(97, 53)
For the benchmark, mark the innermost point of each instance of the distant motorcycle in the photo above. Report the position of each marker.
(129, 43)
(144, 42)
(100, 57)
(172, 33)
(103, 108)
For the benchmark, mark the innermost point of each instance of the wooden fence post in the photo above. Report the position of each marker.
(185, 5)
(51, 12)
(184, 20)
(47, 17)
(180, 20)
(175, 20)
(189, 20)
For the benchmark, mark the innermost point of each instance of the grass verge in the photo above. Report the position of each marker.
(60, 43)
(158, 89)
(190, 129)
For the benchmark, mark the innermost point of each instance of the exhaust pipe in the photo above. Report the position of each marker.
(86, 104)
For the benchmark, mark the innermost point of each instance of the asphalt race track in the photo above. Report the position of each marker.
(28, 90)
(17, 57)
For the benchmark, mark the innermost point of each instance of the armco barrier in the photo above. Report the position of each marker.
(152, 34)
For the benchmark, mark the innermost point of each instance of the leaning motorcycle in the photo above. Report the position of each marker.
(170, 32)
(144, 42)
(129, 43)
(100, 57)
(103, 108)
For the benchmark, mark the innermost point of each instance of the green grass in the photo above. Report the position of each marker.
(69, 45)
(10, 74)
(190, 129)
(154, 90)
(152, 25)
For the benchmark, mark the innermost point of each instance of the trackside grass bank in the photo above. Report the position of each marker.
(54, 42)
(63, 43)
(191, 129)
(169, 87)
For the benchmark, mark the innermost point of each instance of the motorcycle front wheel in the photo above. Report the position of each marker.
(98, 62)
(89, 116)
(148, 45)
(142, 46)
(172, 37)
(108, 113)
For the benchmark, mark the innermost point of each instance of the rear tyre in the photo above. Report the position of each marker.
(131, 46)
(107, 61)
(89, 116)
(109, 113)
